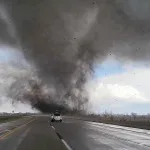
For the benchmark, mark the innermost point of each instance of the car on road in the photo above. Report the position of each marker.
(56, 117)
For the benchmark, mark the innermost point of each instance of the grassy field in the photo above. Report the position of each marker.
(134, 124)
(8, 118)
(132, 120)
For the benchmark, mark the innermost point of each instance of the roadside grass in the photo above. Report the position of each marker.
(134, 124)
(4, 119)
(129, 120)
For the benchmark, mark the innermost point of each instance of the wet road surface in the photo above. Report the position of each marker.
(6, 127)
(34, 133)
(95, 136)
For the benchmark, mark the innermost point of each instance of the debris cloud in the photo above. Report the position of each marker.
(65, 39)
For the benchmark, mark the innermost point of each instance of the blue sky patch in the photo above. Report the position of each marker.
(108, 68)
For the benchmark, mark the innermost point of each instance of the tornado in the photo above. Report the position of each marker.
(64, 40)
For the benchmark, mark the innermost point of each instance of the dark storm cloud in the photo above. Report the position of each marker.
(65, 37)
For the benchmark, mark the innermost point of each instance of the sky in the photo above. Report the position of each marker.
(13, 66)
(117, 87)
(120, 87)
(108, 67)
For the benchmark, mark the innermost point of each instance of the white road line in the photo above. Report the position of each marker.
(67, 146)
(53, 127)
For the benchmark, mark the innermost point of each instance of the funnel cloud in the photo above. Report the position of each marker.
(65, 39)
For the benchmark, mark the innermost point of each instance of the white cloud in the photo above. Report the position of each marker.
(116, 91)
(8, 75)
(7, 106)
(10, 71)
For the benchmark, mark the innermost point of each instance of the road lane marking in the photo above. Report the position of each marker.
(14, 130)
(22, 137)
(65, 143)
(5, 130)
(59, 135)
(17, 128)
(53, 127)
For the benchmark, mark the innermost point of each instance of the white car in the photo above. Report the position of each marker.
(56, 117)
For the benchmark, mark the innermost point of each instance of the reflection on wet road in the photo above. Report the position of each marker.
(95, 136)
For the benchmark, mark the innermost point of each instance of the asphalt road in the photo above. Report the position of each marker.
(34, 133)
(30, 133)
